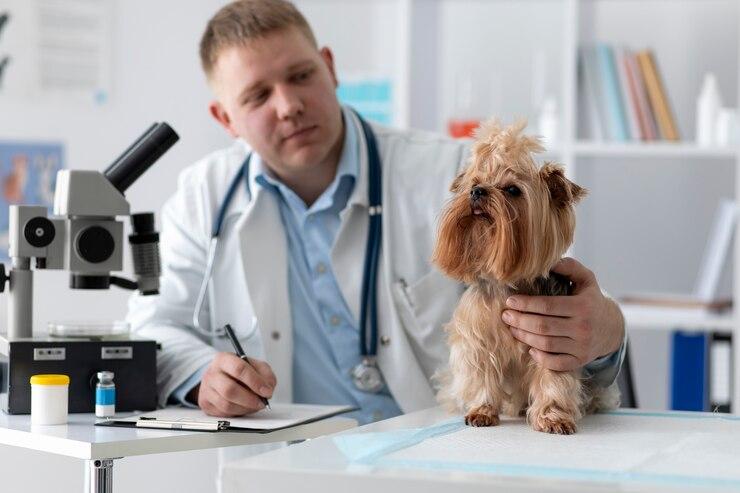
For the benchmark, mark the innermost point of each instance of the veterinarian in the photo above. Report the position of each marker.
(302, 225)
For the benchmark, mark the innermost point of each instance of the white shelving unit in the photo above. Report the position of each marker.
(653, 149)
(520, 51)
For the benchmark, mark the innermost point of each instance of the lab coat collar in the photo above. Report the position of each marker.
(350, 244)
(239, 152)
(359, 195)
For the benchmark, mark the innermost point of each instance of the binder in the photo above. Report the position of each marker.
(690, 371)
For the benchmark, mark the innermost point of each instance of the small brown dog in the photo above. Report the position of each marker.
(504, 229)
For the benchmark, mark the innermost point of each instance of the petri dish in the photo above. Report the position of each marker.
(117, 329)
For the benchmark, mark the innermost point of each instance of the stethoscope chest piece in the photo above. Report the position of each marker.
(367, 377)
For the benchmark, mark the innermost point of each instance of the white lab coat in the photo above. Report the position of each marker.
(249, 286)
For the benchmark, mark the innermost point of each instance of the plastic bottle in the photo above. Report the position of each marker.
(547, 124)
(49, 399)
(105, 395)
(707, 109)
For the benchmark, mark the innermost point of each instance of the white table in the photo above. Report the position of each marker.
(100, 445)
(621, 451)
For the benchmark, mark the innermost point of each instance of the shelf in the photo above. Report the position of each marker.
(653, 149)
(644, 317)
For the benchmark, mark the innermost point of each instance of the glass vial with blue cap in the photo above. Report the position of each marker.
(105, 395)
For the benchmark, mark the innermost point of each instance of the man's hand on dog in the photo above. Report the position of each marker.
(567, 332)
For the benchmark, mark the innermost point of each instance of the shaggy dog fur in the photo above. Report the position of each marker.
(508, 223)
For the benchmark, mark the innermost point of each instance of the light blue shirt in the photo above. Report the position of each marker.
(326, 343)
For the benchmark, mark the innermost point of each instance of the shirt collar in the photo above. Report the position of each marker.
(348, 170)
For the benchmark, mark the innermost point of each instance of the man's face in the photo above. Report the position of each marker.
(278, 94)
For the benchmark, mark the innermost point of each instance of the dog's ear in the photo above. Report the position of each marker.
(563, 192)
(457, 183)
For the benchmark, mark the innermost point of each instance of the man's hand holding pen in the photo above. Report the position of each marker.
(232, 387)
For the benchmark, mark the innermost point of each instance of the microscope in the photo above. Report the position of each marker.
(85, 238)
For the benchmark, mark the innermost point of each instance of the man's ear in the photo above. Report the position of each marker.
(328, 57)
(563, 192)
(218, 112)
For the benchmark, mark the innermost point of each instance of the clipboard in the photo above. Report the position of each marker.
(281, 416)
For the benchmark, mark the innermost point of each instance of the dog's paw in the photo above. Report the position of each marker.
(554, 426)
(482, 416)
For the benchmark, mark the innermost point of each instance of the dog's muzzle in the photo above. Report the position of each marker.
(477, 194)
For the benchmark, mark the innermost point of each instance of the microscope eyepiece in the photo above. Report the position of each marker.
(140, 155)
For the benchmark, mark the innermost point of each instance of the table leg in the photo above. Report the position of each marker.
(100, 476)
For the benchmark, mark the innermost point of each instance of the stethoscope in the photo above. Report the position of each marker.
(365, 375)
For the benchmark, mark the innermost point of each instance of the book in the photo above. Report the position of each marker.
(690, 372)
(628, 98)
(642, 105)
(720, 373)
(277, 417)
(590, 81)
(716, 251)
(657, 95)
(616, 120)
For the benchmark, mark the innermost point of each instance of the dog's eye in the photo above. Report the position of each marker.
(513, 190)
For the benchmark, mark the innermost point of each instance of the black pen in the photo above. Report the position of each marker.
(240, 352)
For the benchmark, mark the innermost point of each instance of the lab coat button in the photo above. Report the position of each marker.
(385, 340)
(321, 268)
(334, 320)
(275, 335)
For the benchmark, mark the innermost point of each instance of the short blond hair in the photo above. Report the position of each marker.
(244, 20)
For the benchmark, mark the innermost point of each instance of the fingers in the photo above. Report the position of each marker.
(538, 324)
(231, 391)
(554, 306)
(265, 371)
(231, 387)
(246, 373)
(549, 344)
(555, 362)
(221, 395)
(575, 271)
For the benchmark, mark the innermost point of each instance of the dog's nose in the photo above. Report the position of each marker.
(477, 192)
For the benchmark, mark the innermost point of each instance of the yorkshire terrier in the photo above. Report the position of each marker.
(506, 226)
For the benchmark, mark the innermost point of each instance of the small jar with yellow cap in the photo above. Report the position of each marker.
(49, 399)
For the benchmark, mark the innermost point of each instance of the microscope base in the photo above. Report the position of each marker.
(133, 361)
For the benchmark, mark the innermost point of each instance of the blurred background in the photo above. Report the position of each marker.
(638, 98)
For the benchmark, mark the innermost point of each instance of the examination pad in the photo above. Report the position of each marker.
(278, 417)
(665, 449)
